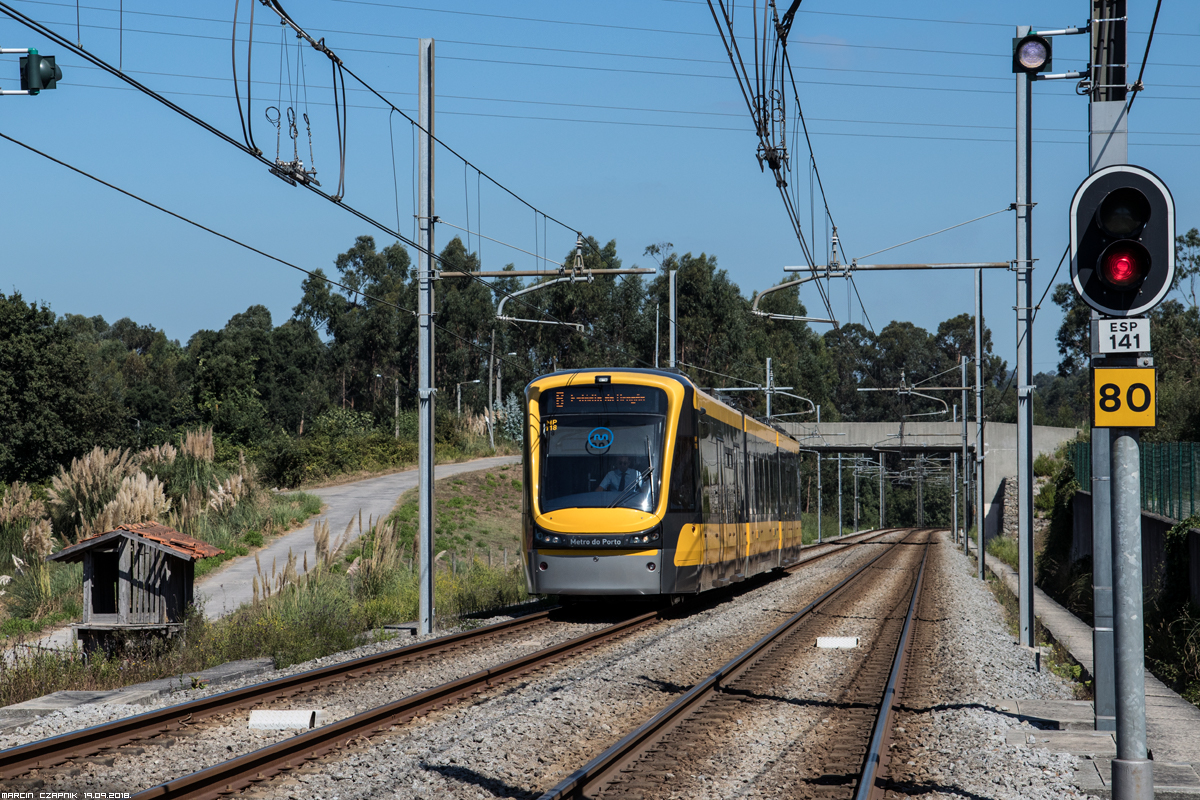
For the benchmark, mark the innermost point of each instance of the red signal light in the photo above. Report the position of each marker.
(1124, 264)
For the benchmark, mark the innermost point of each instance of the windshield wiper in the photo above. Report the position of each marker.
(641, 477)
(632, 487)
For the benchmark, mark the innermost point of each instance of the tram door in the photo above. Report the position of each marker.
(712, 454)
(741, 512)
(732, 538)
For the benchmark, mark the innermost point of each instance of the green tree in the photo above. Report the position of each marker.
(1074, 335)
(47, 412)
(369, 335)
(466, 315)
(1187, 262)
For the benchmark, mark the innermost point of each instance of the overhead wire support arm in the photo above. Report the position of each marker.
(791, 317)
(565, 279)
(533, 273)
(577, 273)
(855, 267)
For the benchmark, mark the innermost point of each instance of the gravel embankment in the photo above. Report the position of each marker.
(521, 738)
(953, 744)
(528, 732)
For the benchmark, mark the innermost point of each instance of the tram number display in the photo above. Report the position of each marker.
(1124, 397)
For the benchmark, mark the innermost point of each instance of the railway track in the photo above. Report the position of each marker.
(642, 763)
(251, 768)
(89, 741)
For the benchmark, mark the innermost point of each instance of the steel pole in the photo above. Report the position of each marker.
(979, 448)
(671, 326)
(1108, 144)
(882, 470)
(657, 334)
(966, 477)
(425, 335)
(954, 488)
(856, 494)
(819, 505)
(1102, 583)
(1024, 267)
(491, 409)
(839, 525)
(1132, 772)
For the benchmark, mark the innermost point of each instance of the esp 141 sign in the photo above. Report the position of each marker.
(1123, 397)
(1131, 335)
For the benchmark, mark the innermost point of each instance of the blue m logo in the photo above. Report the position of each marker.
(600, 438)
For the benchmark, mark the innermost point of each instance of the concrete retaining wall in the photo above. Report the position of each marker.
(1154, 530)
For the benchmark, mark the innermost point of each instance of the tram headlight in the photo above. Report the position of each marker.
(644, 538)
(543, 537)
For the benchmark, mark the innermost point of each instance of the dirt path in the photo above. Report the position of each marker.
(221, 592)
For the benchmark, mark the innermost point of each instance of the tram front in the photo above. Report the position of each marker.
(594, 488)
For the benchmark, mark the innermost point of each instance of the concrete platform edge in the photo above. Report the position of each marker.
(137, 694)
(1074, 635)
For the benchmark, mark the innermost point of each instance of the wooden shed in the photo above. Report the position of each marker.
(135, 578)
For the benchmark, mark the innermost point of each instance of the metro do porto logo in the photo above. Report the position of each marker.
(600, 439)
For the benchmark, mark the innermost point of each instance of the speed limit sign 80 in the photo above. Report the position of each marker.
(1123, 397)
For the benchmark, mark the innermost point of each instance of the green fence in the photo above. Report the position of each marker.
(1168, 475)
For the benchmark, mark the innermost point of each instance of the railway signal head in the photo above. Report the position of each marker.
(39, 72)
(1122, 240)
(1032, 54)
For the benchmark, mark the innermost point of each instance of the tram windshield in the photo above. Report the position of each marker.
(601, 446)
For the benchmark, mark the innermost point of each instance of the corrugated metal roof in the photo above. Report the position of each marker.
(170, 538)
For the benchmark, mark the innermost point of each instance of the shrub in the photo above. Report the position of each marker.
(509, 419)
(140, 499)
(337, 422)
(1045, 466)
(1054, 571)
(1044, 501)
(19, 509)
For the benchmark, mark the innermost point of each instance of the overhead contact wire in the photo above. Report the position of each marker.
(250, 247)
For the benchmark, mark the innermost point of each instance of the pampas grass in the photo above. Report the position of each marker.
(80, 494)
(140, 499)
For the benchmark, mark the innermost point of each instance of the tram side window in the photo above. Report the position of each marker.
(683, 475)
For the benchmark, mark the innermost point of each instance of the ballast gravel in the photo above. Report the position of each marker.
(724, 633)
(954, 745)
(521, 738)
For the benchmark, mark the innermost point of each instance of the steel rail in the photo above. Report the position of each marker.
(236, 774)
(597, 771)
(837, 546)
(253, 767)
(50, 752)
(877, 757)
(89, 741)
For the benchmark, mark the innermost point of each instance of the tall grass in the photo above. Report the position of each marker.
(28, 672)
(1005, 549)
(829, 526)
(295, 617)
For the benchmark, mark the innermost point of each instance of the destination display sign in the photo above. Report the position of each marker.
(604, 398)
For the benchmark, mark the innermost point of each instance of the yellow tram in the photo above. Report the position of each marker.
(639, 483)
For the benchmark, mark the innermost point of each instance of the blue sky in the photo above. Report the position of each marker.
(619, 118)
